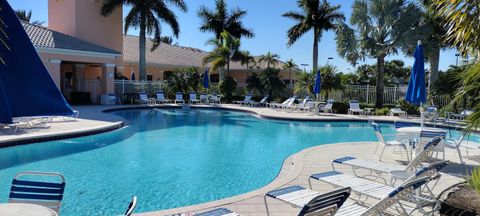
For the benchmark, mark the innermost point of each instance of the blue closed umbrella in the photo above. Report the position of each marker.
(133, 75)
(318, 84)
(206, 81)
(416, 92)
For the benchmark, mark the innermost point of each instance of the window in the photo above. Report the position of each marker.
(149, 77)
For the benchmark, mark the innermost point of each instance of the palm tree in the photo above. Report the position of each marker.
(147, 15)
(269, 58)
(289, 65)
(382, 28)
(316, 15)
(226, 49)
(246, 59)
(220, 20)
(254, 83)
(27, 17)
(271, 81)
(331, 80)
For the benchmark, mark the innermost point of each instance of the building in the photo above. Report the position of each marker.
(84, 52)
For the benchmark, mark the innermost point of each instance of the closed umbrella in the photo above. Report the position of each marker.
(206, 80)
(318, 84)
(416, 92)
(133, 75)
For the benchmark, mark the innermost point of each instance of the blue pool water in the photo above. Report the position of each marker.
(170, 158)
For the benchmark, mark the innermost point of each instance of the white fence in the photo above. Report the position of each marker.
(92, 86)
(134, 86)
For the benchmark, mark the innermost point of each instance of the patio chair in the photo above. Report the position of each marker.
(44, 193)
(298, 196)
(131, 206)
(378, 168)
(451, 117)
(427, 135)
(246, 101)
(114, 99)
(382, 142)
(303, 106)
(262, 102)
(161, 98)
(310, 202)
(204, 98)
(397, 111)
(179, 97)
(455, 144)
(328, 108)
(215, 98)
(431, 113)
(365, 189)
(355, 108)
(193, 98)
(143, 98)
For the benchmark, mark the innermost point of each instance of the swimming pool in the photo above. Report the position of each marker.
(171, 158)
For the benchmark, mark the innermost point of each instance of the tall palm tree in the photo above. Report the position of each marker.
(382, 28)
(269, 58)
(147, 15)
(226, 49)
(290, 65)
(220, 19)
(27, 17)
(316, 15)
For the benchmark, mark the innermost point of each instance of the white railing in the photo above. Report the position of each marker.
(92, 86)
(367, 94)
(134, 86)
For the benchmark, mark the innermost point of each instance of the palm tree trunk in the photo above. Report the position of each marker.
(228, 67)
(142, 48)
(380, 81)
(290, 79)
(434, 60)
(315, 49)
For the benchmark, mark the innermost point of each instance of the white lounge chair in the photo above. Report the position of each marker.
(427, 135)
(161, 98)
(39, 192)
(215, 98)
(431, 113)
(283, 104)
(204, 98)
(328, 108)
(298, 196)
(131, 206)
(385, 143)
(179, 97)
(303, 106)
(397, 111)
(378, 168)
(246, 101)
(371, 189)
(262, 102)
(355, 108)
(310, 202)
(193, 98)
(451, 117)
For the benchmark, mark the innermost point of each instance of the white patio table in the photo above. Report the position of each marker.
(24, 209)
(407, 135)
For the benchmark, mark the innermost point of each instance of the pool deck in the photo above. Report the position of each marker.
(295, 170)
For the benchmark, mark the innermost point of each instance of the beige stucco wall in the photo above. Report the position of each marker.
(81, 19)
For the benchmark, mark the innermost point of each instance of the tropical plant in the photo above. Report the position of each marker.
(227, 87)
(305, 82)
(474, 180)
(27, 17)
(271, 81)
(290, 65)
(316, 15)
(183, 80)
(221, 19)
(254, 83)
(166, 39)
(147, 15)
(269, 59)
(226, 49)
(331, 80)
(382, 27)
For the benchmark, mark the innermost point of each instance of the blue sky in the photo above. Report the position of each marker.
(264, 18)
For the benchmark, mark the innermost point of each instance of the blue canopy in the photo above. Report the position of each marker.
(318, 83)
(206, 81)
(26, 87)
(416, 92)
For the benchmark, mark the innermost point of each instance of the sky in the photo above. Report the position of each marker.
(265, 19)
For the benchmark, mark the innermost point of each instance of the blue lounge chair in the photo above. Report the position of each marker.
(179, 97)
(355, 108)
(48, 194)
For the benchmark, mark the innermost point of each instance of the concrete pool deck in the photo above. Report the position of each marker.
(295, 170)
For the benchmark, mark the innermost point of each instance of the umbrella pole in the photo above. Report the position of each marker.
(421, 116)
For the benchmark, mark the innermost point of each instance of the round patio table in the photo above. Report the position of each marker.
(24, 209)
(408, 135)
